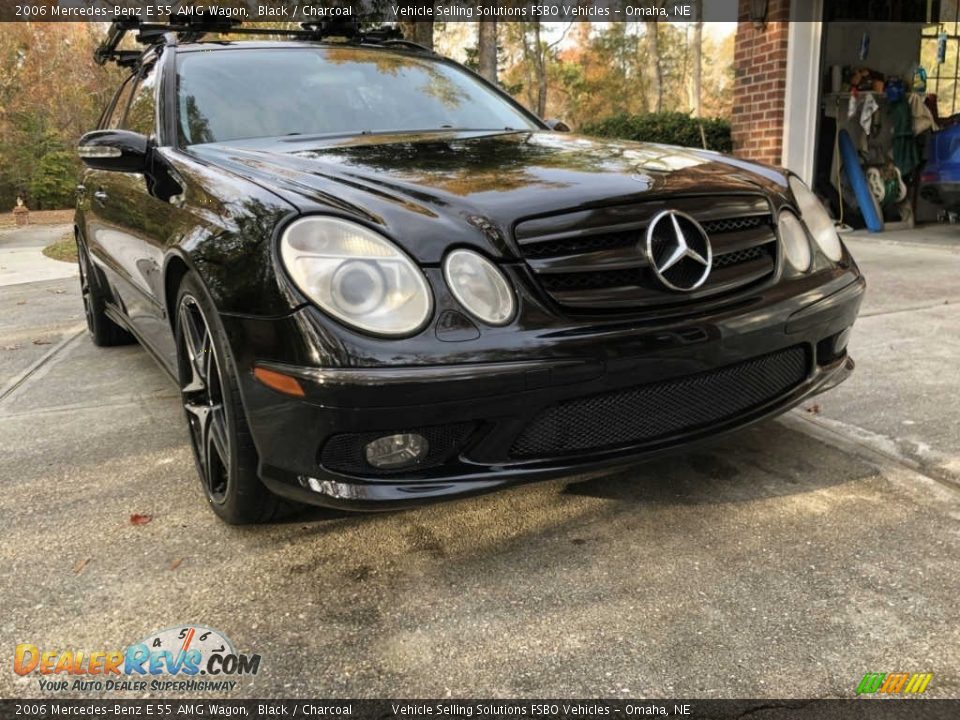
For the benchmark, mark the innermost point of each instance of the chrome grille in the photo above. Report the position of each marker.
(596, 259)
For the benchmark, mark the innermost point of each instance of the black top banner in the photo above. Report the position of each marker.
(299, 11)
(859, 709)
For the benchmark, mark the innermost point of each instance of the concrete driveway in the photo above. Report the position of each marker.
(22, 259)
(786, 560)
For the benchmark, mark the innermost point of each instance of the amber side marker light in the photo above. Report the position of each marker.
(278, 381)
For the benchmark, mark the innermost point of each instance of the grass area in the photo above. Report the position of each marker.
(64, 249)
(39, 217)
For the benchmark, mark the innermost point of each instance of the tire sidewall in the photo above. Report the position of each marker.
(103, 330)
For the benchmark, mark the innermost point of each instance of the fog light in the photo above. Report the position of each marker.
(834, 347)
(840, 341)
(396, 451)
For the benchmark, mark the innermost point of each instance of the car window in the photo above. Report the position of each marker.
(234, 94)
(115, 117)
(141, 117)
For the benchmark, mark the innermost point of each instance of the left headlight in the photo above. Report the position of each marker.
(356, 275)
(817, 220)
(794, 240)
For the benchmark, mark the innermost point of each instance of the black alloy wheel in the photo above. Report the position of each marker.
(202, 390)
(103, 331)
(223, 448)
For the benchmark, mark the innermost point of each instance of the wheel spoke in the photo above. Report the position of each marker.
(82, 261)
(219, 439)
(188, 328)
(192, 334)
(205, 362)
(201, 421)
(203, 399)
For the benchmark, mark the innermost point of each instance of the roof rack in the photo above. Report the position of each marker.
(194, 28)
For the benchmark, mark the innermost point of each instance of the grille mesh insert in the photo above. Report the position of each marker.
(659, 410)
(590, 281)
(575, 246)
(734, 224)
(740, 256)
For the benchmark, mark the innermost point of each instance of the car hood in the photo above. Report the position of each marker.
(431, 190)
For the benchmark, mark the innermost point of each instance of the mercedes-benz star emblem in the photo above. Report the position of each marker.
(678, 250)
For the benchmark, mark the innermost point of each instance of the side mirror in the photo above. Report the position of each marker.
(558, 125)
(120, 150)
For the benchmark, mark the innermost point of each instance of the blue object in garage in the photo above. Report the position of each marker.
(940, 178)
(858, 181)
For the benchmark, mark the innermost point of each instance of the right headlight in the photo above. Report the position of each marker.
(794, 240)
(356, 275)
(479, 286)
(817, 219)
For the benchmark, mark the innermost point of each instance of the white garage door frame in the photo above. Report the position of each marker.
(802, 96)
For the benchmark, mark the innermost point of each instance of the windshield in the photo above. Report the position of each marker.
(231, 95)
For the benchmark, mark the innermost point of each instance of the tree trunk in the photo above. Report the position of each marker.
(541, 70)
(697, 44)
(423, 33)
(487, 49)
(418, 31)
(656, 75)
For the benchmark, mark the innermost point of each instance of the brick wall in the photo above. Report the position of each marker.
(760, 64)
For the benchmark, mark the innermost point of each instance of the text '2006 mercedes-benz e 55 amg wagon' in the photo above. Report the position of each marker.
(378, 280)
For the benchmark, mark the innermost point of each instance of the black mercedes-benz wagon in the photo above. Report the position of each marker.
(378, 280)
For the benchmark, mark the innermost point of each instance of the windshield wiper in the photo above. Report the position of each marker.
(300, 138)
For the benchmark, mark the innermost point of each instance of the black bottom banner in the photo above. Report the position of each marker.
(887, 709)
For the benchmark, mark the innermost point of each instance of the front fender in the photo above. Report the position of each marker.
(226, 234)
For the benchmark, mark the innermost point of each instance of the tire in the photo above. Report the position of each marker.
(103, 331)
(223, 448)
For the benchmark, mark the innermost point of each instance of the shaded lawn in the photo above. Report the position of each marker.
(64, 249)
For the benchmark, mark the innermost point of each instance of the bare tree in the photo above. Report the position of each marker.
(536, 55)
(487, 49)
(540, 68)
(423, 33)
(651, 32)
(419, 31)
(697, 47)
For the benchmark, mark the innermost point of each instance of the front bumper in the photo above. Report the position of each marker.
(493, 403)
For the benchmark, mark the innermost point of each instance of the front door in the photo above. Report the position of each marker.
(128, 223)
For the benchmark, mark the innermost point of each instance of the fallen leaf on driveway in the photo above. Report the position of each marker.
(42, 342)
(176, 563)
(81, 564)
(813, 409)
(22, 302)
(12, 347)
(138, 519)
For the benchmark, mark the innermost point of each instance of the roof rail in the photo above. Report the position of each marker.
(194, 28)
(408, 44)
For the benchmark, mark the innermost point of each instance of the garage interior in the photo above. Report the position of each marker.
(876, 78)
(889, 88)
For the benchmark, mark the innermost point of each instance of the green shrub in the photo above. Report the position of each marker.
(54, 182)
(671, 128)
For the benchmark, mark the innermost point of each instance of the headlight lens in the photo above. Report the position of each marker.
(817, 219)
(356, 275)
(479, 286)
(794, 239)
